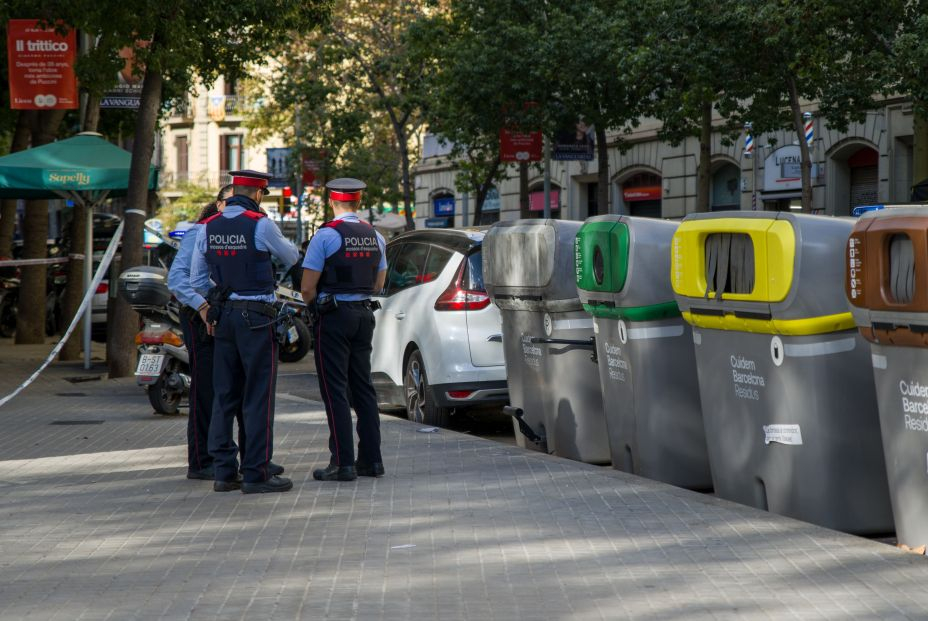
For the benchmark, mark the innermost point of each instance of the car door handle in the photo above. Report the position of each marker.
(495, 338)
(400, 315)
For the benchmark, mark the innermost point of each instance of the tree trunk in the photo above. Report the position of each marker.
(524, 210)
(408, 198)
(21, 136)
(920, 151)
(483, 188)
(92, 115)
(74, 291)
(30, 320)
(602, 155)
(806, 165)
(703, 174)
(123, 323)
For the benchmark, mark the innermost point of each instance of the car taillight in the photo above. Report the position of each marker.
(103, 287)
(457, 298)
(460, 394)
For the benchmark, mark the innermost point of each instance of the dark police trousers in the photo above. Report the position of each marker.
(200, 352)
(343, 362)
(244, 379)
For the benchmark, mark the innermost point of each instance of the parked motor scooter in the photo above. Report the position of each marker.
(163, 363)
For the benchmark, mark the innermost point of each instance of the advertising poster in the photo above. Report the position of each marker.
(519, 146)
(574, 144)
(41, 67)
(128, 90)
(278, 164)
(312, 164)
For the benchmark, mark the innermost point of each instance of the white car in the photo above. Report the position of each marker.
(437, 344)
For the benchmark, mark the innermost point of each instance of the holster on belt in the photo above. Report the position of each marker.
(215, 298)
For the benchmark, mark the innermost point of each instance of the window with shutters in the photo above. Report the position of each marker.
(231, 153)
(183, 170)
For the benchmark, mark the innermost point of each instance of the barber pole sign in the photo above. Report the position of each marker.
(809, 129)
(748, 145)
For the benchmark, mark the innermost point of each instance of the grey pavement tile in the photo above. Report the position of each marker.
(98, 522)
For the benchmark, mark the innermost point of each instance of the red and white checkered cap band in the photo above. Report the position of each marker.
(250, 181)
(336, 195)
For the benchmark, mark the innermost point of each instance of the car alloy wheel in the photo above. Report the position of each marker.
(416, 387)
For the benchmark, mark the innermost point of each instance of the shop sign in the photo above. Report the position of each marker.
(783, 169)
(41, 67)
(536, 200)
(444, 206)
(439, 222)
(642, 193)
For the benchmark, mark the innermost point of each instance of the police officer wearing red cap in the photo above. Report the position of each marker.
(345, 263)
(232, 269)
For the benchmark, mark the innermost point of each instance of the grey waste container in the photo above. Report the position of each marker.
(788, 399)
(646, 362)
(554, 388)
(887, 287)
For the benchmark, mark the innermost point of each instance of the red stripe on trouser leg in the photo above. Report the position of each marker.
(330, 411)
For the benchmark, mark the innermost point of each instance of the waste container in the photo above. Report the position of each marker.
(647, 367)
(788, 398)
(889, 300)
(554, 389)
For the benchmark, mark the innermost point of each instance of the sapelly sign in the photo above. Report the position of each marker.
(66, 178)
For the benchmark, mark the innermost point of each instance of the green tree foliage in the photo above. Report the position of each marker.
(693, 56)
(176, 44)
(834, 53)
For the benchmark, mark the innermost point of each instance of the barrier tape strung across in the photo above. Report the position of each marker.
(49, 261)
(97, 278)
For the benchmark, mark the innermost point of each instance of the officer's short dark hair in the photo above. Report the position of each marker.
(225, 192)
(210, 209)
(352, 205)
(247, 190)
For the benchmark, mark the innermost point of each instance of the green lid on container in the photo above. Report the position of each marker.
(602, 256)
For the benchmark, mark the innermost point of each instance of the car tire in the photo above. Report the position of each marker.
(295, 351)
(163, 399)
(420, 402)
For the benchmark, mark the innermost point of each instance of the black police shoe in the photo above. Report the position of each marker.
(374, 469)
(228, 486)
(335, 473)
(272, 469)
(203, 474)
(274, 484)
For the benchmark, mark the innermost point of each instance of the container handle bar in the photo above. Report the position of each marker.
(589, 343)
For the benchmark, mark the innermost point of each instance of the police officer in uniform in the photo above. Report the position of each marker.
(345, 263)
(233, 250)
(200, 349)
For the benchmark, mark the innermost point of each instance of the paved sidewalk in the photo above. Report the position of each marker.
(98, 522)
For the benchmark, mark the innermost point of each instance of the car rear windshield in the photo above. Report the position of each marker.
(473, 272)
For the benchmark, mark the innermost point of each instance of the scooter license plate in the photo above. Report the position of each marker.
(150, 364)
(292, 335)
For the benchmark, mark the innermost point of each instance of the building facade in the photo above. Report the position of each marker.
(206, 138)
(870, 163)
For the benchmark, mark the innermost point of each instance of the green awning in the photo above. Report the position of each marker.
(85, 163)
